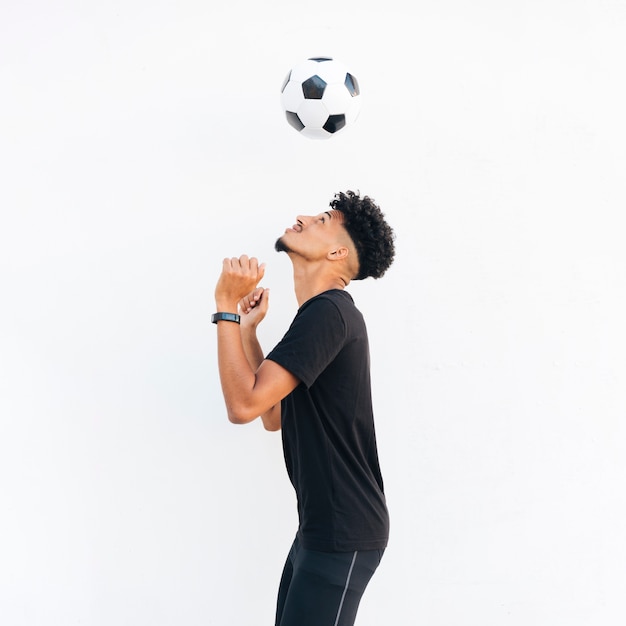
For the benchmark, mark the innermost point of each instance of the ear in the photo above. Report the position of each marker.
(338, 253)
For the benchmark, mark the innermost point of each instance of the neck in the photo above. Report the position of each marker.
(309, 281)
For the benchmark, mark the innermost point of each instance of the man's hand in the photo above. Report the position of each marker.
(253, 307)
(239, 277)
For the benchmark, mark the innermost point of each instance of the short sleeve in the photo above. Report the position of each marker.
(315, 337)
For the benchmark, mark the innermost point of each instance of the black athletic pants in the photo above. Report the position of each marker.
(323, 588)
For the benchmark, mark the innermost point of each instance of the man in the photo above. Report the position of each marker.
(315, 384)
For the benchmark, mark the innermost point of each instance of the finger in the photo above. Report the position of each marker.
(249, 301)
(253, 265)
(264, 303)
(261, 271)
(254, 297)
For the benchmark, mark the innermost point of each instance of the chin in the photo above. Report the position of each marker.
(281, 246)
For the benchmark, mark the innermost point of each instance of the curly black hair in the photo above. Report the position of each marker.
(372, 236)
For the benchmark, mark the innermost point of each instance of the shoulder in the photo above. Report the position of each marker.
(335, 307)
(332, 299)
(317, 334)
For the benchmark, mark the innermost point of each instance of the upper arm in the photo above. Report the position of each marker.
(310, 345)
(272, 383)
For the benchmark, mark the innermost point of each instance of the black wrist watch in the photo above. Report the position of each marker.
(226, 317)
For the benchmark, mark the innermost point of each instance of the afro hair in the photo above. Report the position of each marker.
(372, 236)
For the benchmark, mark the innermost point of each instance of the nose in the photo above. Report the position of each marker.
(302, 220)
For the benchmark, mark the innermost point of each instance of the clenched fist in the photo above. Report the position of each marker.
(253, 307)
(238, 278)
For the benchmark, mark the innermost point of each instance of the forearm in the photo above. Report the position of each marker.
(251, 347)
(254, 354)
(237, 377)
(238, 361)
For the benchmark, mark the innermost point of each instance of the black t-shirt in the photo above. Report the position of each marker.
(328, 427)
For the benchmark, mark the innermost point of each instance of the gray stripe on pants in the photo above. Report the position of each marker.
(345, 589)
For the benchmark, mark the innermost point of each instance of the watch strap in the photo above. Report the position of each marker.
(226, 317)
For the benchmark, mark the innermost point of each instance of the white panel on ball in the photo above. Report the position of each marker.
(313, 113)
(292, 97)
(337, 98)
(315, 133)
(302, 71)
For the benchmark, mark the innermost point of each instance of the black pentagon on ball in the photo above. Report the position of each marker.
(313, 88)
(294, 120)
(352, 85)
(334, 123)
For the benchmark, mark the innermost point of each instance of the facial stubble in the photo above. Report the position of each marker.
(281, 246)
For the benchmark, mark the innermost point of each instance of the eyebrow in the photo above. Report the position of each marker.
(329, 214)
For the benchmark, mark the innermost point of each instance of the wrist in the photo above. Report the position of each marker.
(248, 328)
(226, 306)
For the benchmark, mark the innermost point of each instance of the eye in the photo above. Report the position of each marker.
(323, 220)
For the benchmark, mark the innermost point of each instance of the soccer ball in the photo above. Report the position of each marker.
(320, 97)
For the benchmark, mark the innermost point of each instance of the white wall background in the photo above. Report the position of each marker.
(140, 142)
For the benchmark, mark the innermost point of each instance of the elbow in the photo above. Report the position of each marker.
(235, 419)
(240, 415)
(244, 415)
